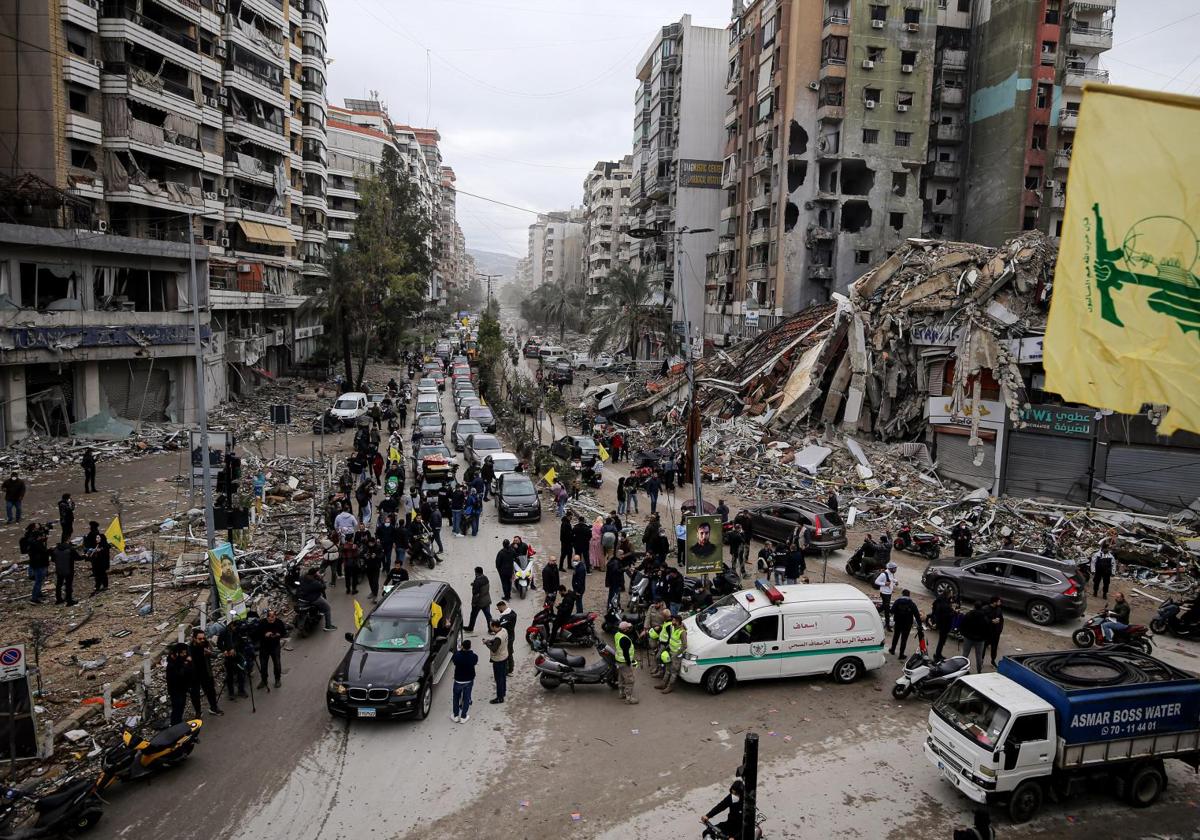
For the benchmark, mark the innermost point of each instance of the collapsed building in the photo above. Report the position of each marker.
(940, 344)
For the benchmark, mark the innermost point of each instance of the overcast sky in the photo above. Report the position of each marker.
(529, 94)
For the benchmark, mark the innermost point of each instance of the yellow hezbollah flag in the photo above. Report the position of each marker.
(603, 452)
(1124, 326)
(550, 475)
(358, 614)
(394, 455)
(116, 537)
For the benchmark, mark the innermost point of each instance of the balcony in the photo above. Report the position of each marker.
(670, 62)
(952, 59)
(139, 29)
(1089, 38)
(83, 128)
(946, 170)
(261, 87)
(762, 163)
(731, 84)
(831, 108)
(730, 177)
(1062, 159)
(1075, 77)
(266, 134)
(731, 114)
(757, 272)
(840, 19)
(951, 133)
(820, 234)
(949, 97)
(760, 235)
(820, 272)
(1068, 119)
(730, 212)
(660, 186)
(81, 71)
(79, 12)
(1093, 5)
(760, 202)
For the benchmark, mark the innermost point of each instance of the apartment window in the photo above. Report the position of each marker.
(765, 106)
(908, 57)
(903, 138)
(896, 220)
(900, 183)
(1049, 50)
(964, 5)
(1038, 140)
(733, 70)
(871, 95)
(944, 157)
(1058, 228)
(870, 135)
(79, 40)
(668, 48)
(1044, 93)
(875, 54)
(878, 12)
(77, 100)
(768, 30)
(82, 159)
(862, 257)
(1052, 7)
(1029, 222)
(833, 50)
(940, 196)
(1033, 178)
(912, 15)
(904, 99)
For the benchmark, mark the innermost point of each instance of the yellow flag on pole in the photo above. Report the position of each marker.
(603, 452)
(550, 475)
(116, 538)
(394, 455)
(1124, 327)
(358, 615)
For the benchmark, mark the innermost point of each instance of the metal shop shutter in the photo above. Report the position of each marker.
(956, 461)
(136, 392)
(1047, 465)
(1164, 475)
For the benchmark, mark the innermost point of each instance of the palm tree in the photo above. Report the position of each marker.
(563, 304)
(629, 311)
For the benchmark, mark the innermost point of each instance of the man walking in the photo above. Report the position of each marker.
(996, 626)
(200, 654)
(975, 629)
(566, 540)
(626, 661)
(581, 538)
(180, 682)
(550, 579)
(579, 579)
(66, 516)
(1102, 568)
(904, 613)
(481, 598)
(614, 579)
(943, 616)
(886, 581)
(497, 644)
(507, 618)
(672, 657)
(505, 567)
(34, 544)
(652, 488)
(64, 556)
(961, 535)
(88, 462)
(464, 661)
(14, 495)
(271, 633)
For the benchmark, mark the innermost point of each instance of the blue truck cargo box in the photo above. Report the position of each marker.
(1156, 698)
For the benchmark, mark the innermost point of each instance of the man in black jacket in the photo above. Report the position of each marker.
(200, 655)
(180, 682)
(581, 537)
(505, 566)
(943, 616)
(271, 632)
(481, 598)
(975, 628)
(904, 613)
(64, 556)
(96, 549)
(507, 617)
(66, 516)
(550, 579)
(569, 603)
(566, 539)
(579, 579)
(232, 645)
(312, 591)
(614, 579)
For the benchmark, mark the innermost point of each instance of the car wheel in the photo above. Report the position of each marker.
(718, 680)
(425, 701)
(1025, 801)
(1083, 638)
(1040, 612)
(1145, 785)
(847, 670)
(946, 588)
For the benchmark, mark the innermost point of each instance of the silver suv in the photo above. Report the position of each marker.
(1045, 589)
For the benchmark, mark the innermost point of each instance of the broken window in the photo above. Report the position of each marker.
(1049, 50)
(1044, 93)
(870, 135)
(896, 220)
(900, 183)
(912, 15)
(765, 106)
(79, 40)
(796, 172)
(1038, 138)
(1058, 228)
(904, 100)
(797, 139)
(856, 215)
(1029, 222)
(833, 50)
(1033, 178)
(791, 215)
(908, 58)
(875, 54)
(42, 286)
(862, 257)
(939, 196)
(828, 178)
(871, 95)
(857, 177)
(903, 138)
(78, 100)
(1052, 7)
(82, 158)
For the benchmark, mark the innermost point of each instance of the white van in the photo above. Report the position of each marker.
(551, 354)
(783, 631)
(349, 407)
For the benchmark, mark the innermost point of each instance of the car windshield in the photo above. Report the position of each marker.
(468, 427)
(504, 463)
(485, 443)
(379, 633)
(972, 713)
(722, 618)
(433, 451)
(518, 485)
(481, 412)
(346, 404)
(429, 420)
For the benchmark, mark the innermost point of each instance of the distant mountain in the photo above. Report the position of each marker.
(491, 262)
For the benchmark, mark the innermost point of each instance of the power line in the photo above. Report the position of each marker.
(498, 201)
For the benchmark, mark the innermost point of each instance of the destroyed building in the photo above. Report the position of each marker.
(941, 344)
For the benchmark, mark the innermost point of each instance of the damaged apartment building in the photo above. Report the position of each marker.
(941, 344)
(145, 128)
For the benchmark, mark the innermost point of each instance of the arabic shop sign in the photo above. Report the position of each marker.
(1058, 420)
(700, 173)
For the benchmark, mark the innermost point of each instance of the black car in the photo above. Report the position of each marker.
(653, 458)
(560, 372)
(398, 654)
(777, 521)
(517, 500)
(565, 445)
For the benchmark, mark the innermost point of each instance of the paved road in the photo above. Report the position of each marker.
(836, 761)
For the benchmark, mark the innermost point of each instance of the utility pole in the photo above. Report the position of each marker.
(201, 397)
(488, 278)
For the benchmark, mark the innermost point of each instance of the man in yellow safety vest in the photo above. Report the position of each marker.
(626, 661)
(658, 618)
(672, 655)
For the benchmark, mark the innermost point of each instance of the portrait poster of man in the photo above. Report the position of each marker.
(705, 545)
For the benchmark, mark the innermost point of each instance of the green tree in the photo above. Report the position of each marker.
(379, 284)
(629, 311)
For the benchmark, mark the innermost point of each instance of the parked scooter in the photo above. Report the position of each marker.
(918, 542)
(72, 809)
(863, 563)
(1091, 634)
(1173, 619)
(523, 575)
(926, 678)
(555, 667)
(579, 630)
(637, 620)
(137, 758)
(422, 550)
(931, 623)
(639, 590)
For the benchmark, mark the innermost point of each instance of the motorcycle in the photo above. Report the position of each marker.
(639, 590)
(137, 758)
(637, 620)
(862, 563)
(421, 549)
(579, 629)
(1169, 620)
(523, 576)
(926, 678)
(726, 583)
(555, 667)
(590, 474)
(931, 623)
(918, 542)
(1091, 634)
(72, 809)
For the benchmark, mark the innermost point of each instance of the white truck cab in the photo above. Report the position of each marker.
(783, 631)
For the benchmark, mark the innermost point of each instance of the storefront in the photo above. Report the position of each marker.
(957, 460)
(1049, 453)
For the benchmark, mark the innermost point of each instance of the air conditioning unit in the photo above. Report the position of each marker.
(221, 51)
(102, 225)
(224, 192)
(1049, 183)
(870, 103)
(222, 91)
(98, 63)
(212, 102)
(906, 68)
(210, 195)
(868, 64)
(901, 108)
(814, 85)
(878, 24)
(222, 100)
(913, 27)
(95, 4)
(225, 242)
(244, 268)
(220, 7)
